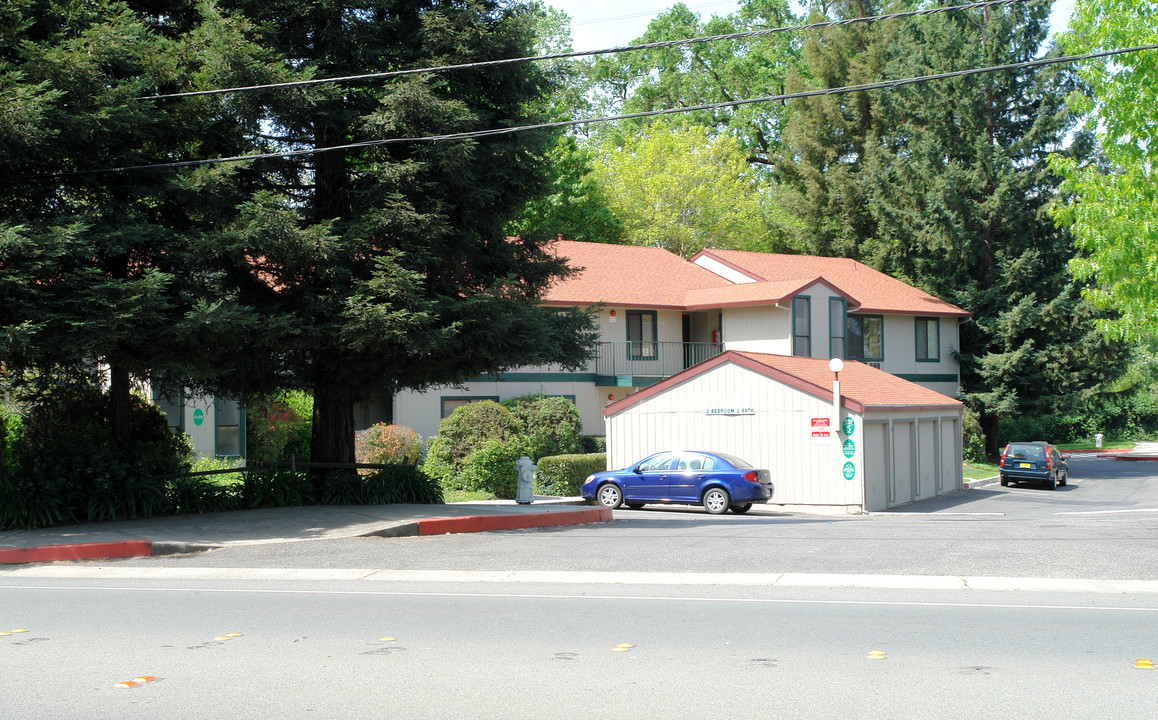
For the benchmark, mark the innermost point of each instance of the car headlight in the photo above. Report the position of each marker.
(589, 479)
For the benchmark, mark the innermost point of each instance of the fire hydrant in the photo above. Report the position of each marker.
(525, 494)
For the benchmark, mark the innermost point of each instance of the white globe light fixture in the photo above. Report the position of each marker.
(836, 365)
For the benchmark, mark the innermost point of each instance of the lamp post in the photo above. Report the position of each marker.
(835, 365)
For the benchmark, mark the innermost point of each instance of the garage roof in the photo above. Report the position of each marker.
(861, 386)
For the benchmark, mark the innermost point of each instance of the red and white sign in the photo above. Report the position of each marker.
(821, 430)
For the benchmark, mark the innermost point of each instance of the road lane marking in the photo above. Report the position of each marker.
(552, 577)
(1108, 512)
(142, 680)
(586, 596)
(1144, 664)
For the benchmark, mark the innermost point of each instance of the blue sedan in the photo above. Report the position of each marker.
(717, 481)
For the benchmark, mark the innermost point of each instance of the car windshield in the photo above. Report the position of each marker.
(1026, 452)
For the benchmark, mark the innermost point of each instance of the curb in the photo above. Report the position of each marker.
(483, 523)
(76, 551)
(433, 526)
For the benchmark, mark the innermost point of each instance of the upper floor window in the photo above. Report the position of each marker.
(836, 328)
(928, 339)
(802, 326)
(641, 333)
(866, 334)
(450, 404)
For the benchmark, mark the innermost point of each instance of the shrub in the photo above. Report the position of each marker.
(563, 475)
(388, 445)
(276, 488)
(278, 426)
(466, 430)
(66, 446)
(188, 495)
(592, 444)
(972, 440)
(552, 425)
(492, 467)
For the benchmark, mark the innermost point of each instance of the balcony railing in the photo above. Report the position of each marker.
(634, 364)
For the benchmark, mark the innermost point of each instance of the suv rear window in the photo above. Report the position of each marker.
(1025, 452)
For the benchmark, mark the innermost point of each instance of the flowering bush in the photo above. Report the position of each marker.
(387, 445)
(276, 426)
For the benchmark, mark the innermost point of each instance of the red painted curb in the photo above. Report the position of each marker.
(483, 523)
(1132, 457)
(78, 551)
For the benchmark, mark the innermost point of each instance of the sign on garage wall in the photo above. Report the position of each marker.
(821, 430)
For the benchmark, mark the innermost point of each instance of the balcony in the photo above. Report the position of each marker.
(639, 364)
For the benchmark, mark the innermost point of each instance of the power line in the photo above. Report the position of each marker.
(882, 85)
(645, 13)
(588, 53)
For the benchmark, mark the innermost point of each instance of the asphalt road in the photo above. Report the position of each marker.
(338, 651)
(297, 631)
(1103, 525)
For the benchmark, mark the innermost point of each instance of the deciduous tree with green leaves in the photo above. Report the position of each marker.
(684, 190)
(1112, 207)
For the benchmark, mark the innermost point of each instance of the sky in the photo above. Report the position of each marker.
(597, 24)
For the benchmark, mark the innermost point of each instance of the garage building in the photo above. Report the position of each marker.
(892, 442)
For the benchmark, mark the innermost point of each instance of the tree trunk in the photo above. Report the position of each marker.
(989, 428)
(120, 396)
(332, 438)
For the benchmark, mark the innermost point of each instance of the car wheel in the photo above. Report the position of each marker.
(741, 509)
(1004, 482)
(1052, 483)
(635, 505)
(609, 495)
(1063, 480)
(716, 501)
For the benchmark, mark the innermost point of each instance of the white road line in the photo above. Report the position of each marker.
(770, 580)
(585, 596)
(1108, 512)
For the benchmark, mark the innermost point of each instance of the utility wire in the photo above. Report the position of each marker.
(586, 53)
(884, 84)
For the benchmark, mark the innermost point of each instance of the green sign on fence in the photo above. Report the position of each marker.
(849, 471)
(849, 448)
(198, 417)
(847, 426)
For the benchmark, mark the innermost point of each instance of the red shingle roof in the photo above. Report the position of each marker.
(873, 290)
(652, 277)
(627, 275)
(861, 386)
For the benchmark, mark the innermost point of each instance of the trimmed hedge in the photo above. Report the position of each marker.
(562, 475)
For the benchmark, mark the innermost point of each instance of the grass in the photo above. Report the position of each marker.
(466, 496)
(979, 471)
(1115, 445)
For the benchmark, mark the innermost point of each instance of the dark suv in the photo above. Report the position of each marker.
(1037, 462)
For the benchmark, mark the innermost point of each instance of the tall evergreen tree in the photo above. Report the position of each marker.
(390, 261)
(105, 267)
(945, 185)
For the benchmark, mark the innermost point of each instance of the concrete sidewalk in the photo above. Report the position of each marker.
(192, 533)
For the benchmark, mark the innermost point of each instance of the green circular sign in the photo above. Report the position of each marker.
(198, 417)
(848, 425)
(849, 448)
(849, 471)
